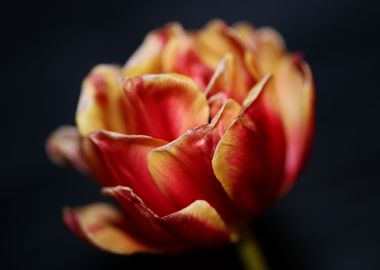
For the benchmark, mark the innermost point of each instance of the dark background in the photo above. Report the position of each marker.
(330, 220)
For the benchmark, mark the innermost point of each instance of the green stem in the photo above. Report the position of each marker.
(249, 251)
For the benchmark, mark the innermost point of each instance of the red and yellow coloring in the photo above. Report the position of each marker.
(198, 133)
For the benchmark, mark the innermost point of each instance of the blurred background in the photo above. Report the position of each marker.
(330, 220)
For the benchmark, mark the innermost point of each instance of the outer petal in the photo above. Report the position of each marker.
(294, 90)
(147, 58)
(166, 105)
(64, 148)
(199, 225)
(125, 159)
(182, 169)
(250, 157)
(101, 102)
(143, 222)
(104, 227)
(196, 225)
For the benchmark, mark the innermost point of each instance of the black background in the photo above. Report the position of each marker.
(330, 220)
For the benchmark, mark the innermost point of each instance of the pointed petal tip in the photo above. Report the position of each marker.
(256, 90)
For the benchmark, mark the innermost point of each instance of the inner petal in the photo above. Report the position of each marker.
(165, 105)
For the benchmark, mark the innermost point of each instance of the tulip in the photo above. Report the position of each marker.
(196, 135)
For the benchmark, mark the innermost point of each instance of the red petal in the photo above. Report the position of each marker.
(249, 159)
(166, 105)
(199, 225)
(125, 159)
(196, 225)
(180, 56)
(101, 102)
(182, 169)
(144, 223)
(104, 227)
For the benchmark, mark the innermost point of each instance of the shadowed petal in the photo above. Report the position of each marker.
(249, 159)
(125, 159)
(166, 104)
(64, 148)
(182, 169)
(104, 227)
(196, 225)
(101, 104)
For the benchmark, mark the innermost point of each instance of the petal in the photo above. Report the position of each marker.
(125, 158)
(224, 118)
(180, 56)
(182, 169)
(216, 102)
(246, 32)
(223, 78)
(294, 92)
(64, 148)
(101, 102)
(249, 159)
(196, 225)
(271, 49)
(267, 47)
(199, 225)
(166, 104)
(147, 58)
(144, 223)
(104, 227)
(217, 32)
(239, 80)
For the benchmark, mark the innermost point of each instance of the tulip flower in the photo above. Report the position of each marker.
(196, 135)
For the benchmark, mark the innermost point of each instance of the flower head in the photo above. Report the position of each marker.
(197, 133)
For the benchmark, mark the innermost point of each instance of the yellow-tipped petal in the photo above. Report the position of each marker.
(147, 59)
(221, 48)
(182, 169)
(266, 48)
(249, 159)
(294, 96)
(105, 227)
(166, 104)
(101, 104)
